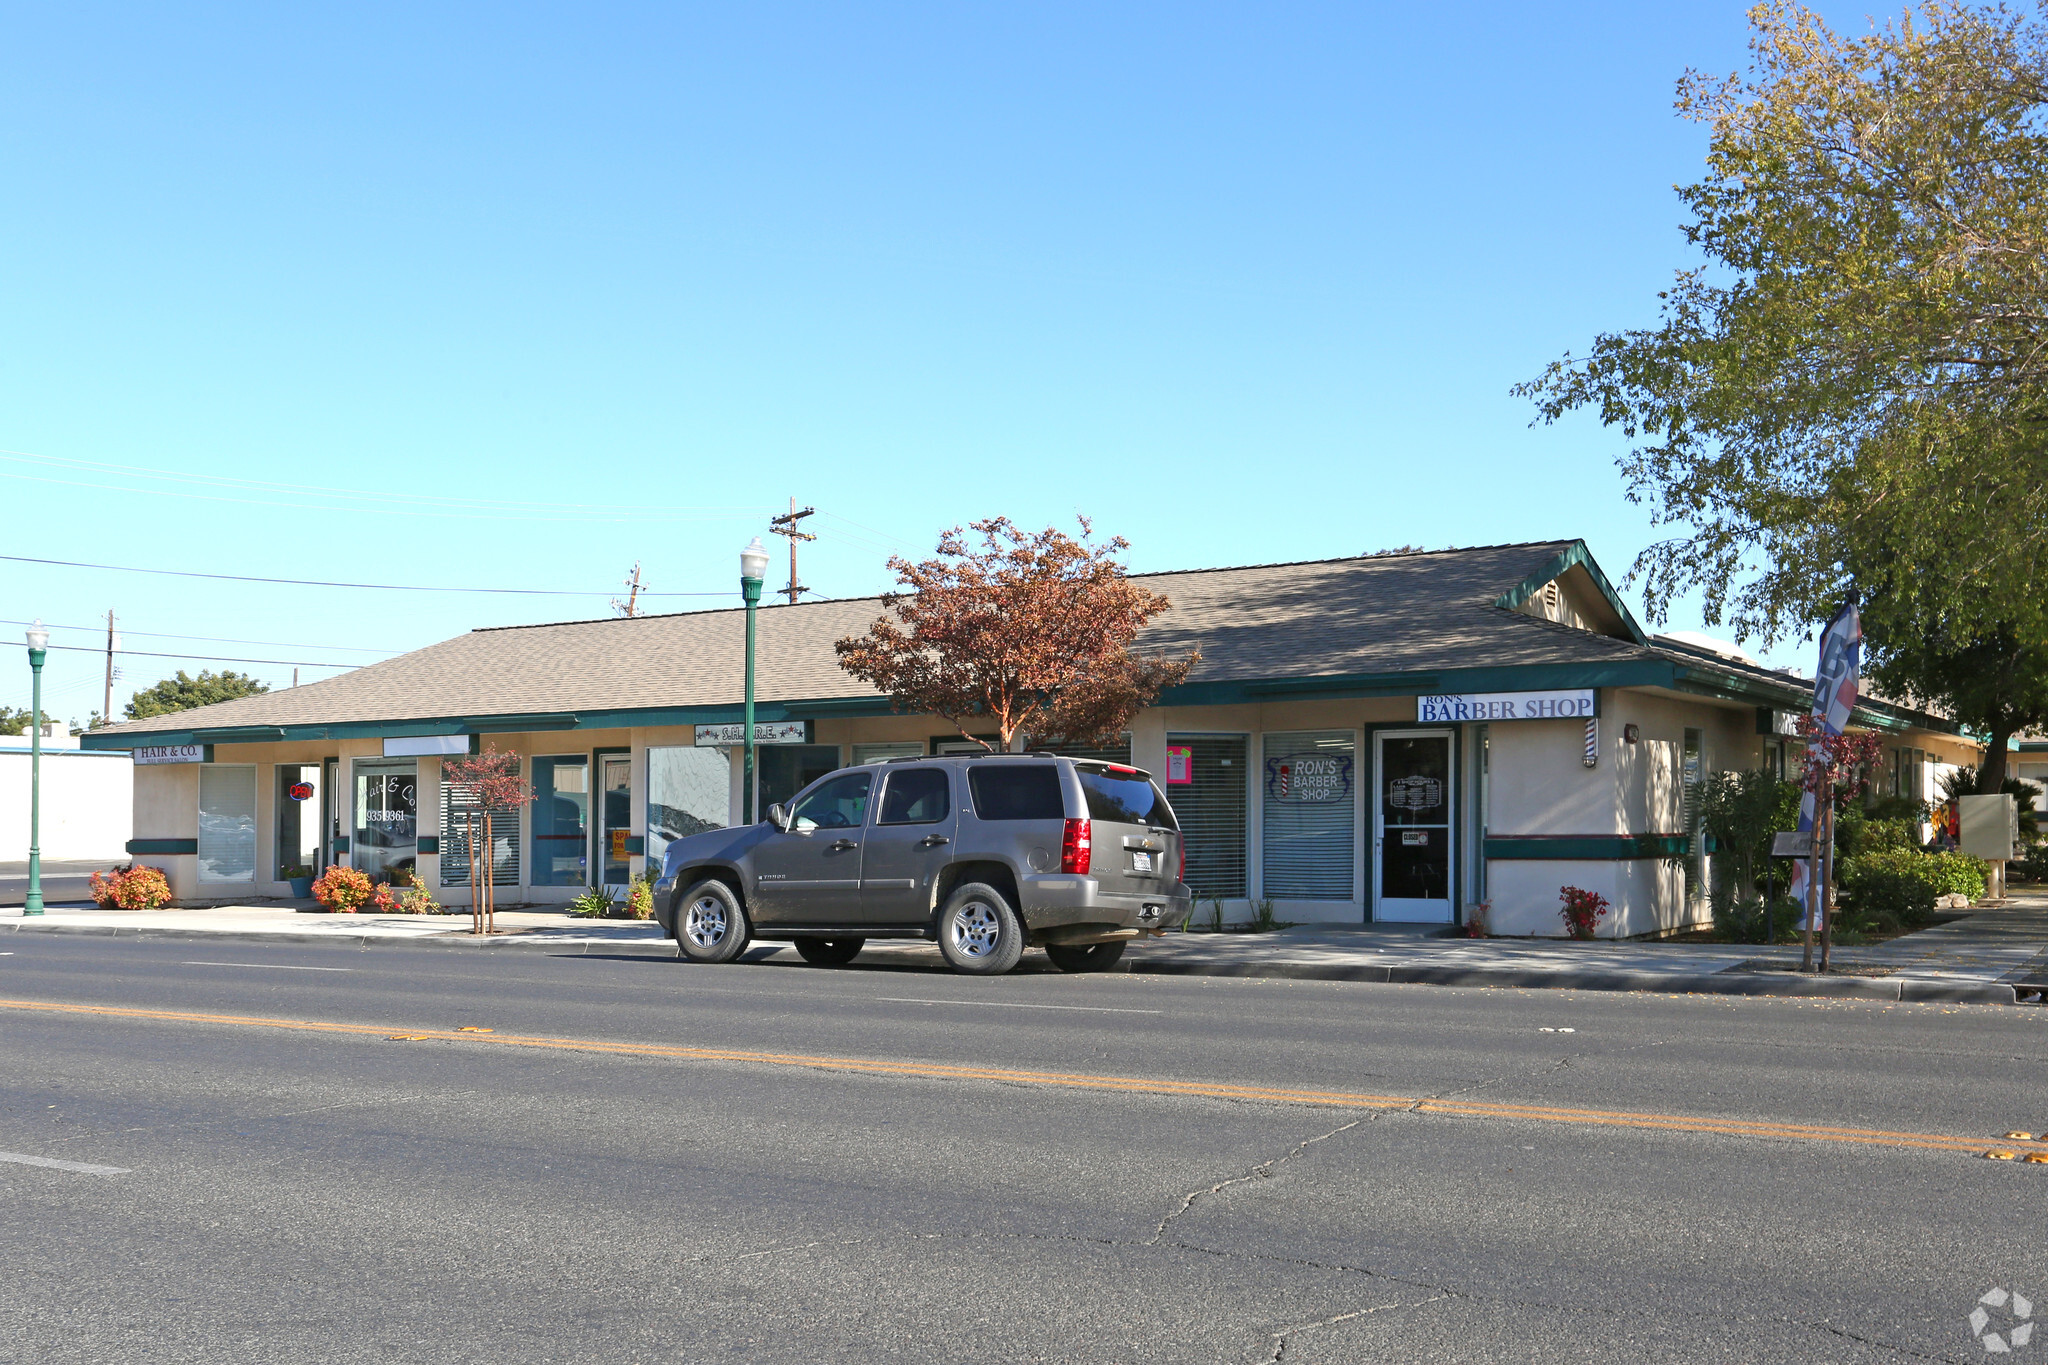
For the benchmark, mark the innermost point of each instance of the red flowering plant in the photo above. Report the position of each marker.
(1840, 762)
(138, 888)
(1583, 910)
(343, 890)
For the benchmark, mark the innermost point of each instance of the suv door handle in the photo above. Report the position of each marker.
(841, 845)
(934, 840)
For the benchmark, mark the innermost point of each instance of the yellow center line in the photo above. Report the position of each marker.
(1345, 1099)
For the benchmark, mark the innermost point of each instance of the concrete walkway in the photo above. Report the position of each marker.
(1996, 955)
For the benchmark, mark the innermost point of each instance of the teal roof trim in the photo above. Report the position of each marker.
(1575, 555)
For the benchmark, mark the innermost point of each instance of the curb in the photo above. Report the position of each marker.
(1767, 984)
(1665, 983)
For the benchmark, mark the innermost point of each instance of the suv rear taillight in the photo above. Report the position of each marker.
(1181, 874)
(1077, 846)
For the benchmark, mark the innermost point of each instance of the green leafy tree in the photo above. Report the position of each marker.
(1851, 387)
(1995, 682)
(181, 692)
(16, 722)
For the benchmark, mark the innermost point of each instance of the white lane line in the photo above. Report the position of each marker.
(1014, 1005)
(267, 966)
(81, 1167)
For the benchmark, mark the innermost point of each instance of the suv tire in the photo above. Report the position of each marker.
(979, 934)
(828, 952)
(710, 924)
(1085, 957)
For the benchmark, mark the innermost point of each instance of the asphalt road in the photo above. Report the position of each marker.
(583, 1184)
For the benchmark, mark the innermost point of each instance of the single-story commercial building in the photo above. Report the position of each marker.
(1398, 737)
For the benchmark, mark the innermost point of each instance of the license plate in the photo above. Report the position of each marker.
(1141, 862)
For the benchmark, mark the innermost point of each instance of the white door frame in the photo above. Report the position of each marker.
(1408, 911)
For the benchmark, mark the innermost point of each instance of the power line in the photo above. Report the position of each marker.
(210, 658)
(318, 583)
(212, 639)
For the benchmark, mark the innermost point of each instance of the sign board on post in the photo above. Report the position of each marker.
(1990, 826)
(1180, 765)
(1570, 704)
(1792, 843)
(765, 732)
(170, 753)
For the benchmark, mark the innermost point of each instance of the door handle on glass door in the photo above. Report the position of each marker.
(841, 845)
(934, 840)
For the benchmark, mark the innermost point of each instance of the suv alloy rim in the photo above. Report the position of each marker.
(705, 924)
(975, 929)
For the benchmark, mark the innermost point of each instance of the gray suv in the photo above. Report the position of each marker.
(988, 855)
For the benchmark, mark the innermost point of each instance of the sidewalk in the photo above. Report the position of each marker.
(1996, 955)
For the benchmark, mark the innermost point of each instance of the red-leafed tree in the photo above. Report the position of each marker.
(1024, 633)
(490, 781)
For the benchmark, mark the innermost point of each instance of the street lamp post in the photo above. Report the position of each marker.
(753, 568)
(38, 650)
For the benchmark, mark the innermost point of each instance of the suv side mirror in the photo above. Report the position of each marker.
(778, 817)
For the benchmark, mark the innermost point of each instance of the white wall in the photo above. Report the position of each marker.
(87, 806)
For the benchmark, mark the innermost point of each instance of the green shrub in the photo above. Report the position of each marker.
(1882, 835)
(1897, 887)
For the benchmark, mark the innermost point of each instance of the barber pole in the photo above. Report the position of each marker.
(1592, 741)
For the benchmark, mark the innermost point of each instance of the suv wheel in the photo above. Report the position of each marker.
(1085, 957)
(828, 952)
(710, 925)
(978, 931)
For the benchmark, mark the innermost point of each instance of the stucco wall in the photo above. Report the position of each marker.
(87, 803)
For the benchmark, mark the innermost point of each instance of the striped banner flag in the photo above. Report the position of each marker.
(1835, 686)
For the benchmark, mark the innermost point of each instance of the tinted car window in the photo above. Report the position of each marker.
(915, 796)
(1125, 798)
(837, 803)
(1017, 791)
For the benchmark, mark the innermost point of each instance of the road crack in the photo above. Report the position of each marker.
(1261, 1171)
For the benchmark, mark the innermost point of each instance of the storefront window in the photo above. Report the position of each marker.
(882, 753)
(689, 790)
(561, 821)
(786, 769)
(386, 841)
(298, 816)
(1206, 787)
(227, 822)
(462, 821)
(1310, 806)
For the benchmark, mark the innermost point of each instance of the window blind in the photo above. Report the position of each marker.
(227, 822)
(1212, 810)
(1310, 809)
(458, 804)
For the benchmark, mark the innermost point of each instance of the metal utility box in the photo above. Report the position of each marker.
(1990, 826)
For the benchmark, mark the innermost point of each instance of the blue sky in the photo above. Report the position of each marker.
(515, 296)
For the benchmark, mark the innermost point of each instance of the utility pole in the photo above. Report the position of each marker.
(787, 526)
(628, 607)
(107, 707)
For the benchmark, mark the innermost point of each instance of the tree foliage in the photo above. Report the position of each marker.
(181, 692)
(1853, 387)
(1995, 682)
(1025, 633)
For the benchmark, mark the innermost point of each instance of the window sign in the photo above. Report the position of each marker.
(1570, 704)
(1180, 765)
(1315, 778)
(765, 732)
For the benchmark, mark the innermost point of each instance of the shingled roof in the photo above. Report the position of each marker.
(1409, 614)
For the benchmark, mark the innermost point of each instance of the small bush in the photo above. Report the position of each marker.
(343, 890)
(1897, 887)
(405, 899)
(594, 903)
(640, 901)
(139, 888)
(1583, 910)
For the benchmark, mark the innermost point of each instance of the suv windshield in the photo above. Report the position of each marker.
(1124, 797)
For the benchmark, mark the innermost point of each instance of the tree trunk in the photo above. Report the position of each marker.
(1991, 777)
(490, 873)
(476, 907)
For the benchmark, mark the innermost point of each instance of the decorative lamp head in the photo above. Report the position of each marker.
(38, 638)
(754, 561)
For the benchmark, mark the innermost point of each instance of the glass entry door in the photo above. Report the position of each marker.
(386, 842)
(1412, 827)
(615, 783)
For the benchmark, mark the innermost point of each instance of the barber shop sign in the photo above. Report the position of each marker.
(1309, 778)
